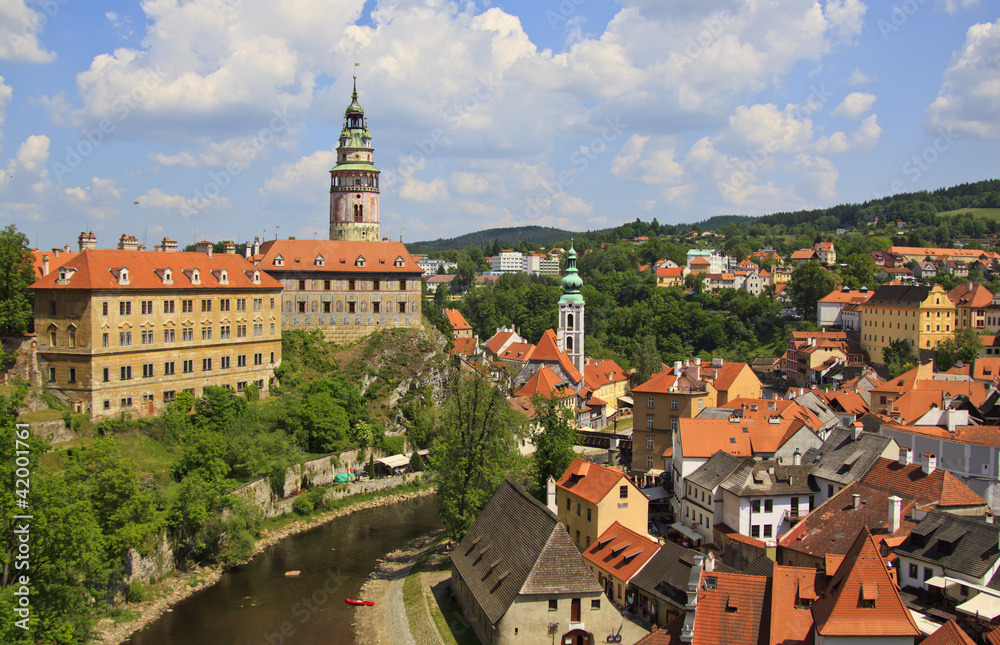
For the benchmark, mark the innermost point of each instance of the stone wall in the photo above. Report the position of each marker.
(52, 431)
(152, 566)
(258, 493)
(25, 359)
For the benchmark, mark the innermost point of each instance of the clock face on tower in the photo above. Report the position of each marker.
(357, 155)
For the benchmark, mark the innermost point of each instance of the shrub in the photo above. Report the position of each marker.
(304, 504)
(136, 592)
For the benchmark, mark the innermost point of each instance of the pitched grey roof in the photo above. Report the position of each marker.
(768, 478)
(843, 460)
(890, 295)
(714, 471)
(976, 543)
(818, 407)
(517, 546)
(666, 574)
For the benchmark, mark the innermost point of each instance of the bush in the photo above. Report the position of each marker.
(304, 504)
(393, 445)
(136, 592)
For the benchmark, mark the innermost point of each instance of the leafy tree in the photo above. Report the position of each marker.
(898, 357)
(17, 303)
(860, 271)
(476, 448)
(554, 442)
(964, 347)
(647, 359)
(327, 421)
(810, 282)
(416, 461)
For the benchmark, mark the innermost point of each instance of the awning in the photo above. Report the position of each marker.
(982, 606)
(654, 472)
(656, 493)
(627, 400)
(939, 582)
(691, 533)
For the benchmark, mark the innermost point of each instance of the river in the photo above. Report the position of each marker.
(257, 604)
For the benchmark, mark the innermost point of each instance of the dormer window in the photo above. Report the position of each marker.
(400, 263)
(194, 275)
(360, 262)
(320, 260)
(222, 276)
(256, 277)
(168, 276)
(279, 261)
(65, 275)
(121, 274)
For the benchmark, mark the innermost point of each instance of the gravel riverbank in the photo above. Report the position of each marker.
(181, 585)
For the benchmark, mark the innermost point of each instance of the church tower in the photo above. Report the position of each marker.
(571, 306)
(354, 180)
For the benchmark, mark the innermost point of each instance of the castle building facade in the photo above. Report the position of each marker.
(123, 331)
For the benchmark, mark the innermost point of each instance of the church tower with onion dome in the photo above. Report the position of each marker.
(354, 180)
(571, 309)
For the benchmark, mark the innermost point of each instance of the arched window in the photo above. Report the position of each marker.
(359, 212)
(569, 321)
(569, 343)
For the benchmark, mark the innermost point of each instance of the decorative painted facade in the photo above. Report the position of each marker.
(354, 189)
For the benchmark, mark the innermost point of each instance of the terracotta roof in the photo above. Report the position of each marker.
(444, 278)
(669, 634)
(702, 438)
(940, 487)
(598, 373)
(926, 394)
(494, 344)
(993, 638)
(590, 481)
(54, 262)
(661, 382)
(725, 375)
(972, 295)
(456, 319)
(949, 634)
(987, 368)
(734, 536)
(338, 257)
(464, 346)
(793, 590)
(730, 609)
(548, 350)
(544, 383)
(518, 352)
(670, 272)
(862, 599)
(970, 254)
(97, 269)
(977, 435)
(524, 405)
(803, 254)
(780, 288)
(620, 552)
(699, 260)
(839, 295)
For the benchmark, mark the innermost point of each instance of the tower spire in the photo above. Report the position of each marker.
(571, 312)
(354, 191)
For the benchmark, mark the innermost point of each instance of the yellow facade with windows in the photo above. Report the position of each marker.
(921, 315)
(657, 408)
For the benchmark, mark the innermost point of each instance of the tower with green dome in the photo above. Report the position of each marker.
(354, 191)
(571, 311)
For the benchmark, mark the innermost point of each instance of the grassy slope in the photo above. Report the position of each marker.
(985, 213)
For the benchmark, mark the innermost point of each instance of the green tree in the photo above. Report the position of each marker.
(647, 359)
(898, 357)
(17, 303)
(554, 442)
(860, 271)
(810, 282)
(476, 448)
(327, 421)
(964, 347)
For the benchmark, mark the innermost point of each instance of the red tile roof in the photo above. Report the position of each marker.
(950, 634)
(598, 373)
(494, 344)
(548, 350)
(518, 352)
(546, 384)
(702, 438)
(977, 435)
(987, 368)
(793, 590)
(338, 256)
(803, 254)
(971, 294)
(670, 272)
(723, 377)
(97, 268)
(839, 295)
(589, 481)
(54, 262)
(464, 346)
(456, 319)
(669, 634)
(732, 612)
(862, 600)
(940, 487)
(621, 552)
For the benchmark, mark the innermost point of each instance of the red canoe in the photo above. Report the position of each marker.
(367, 603)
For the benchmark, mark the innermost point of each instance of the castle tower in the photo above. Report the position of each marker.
(571, 307)
(354, 180)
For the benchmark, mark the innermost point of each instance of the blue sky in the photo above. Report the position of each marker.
(217, 119)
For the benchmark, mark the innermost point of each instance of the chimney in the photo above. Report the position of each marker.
(65, 248)
(855, 500)
(947, 395)
(204, 247)
(678, 365)
(905, 456)
(87, 241)
(229, 248)
(550, 494)
(168, 245)
(930, 463)
(858, 428)
(895, 513)
(949, 418)
(710, 563)
(613, 450)
(697, 369)
(128, 243)
(717, 362)
(797, 457)
(55, 251)
(248, 250)
(45, 265)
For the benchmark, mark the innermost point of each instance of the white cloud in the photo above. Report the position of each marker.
(951, 6)
(6, 94)
(654, 165)
(571, 205)
(855, 104)
(424, 191)
(860, 78)
(469, 183)
(847, 17)
(864, 138)
(20, 27)
(34, 154)
(817, 176)
(306, 179)
(122, 25)
(185, 206)
(766, 127)
(969, 98)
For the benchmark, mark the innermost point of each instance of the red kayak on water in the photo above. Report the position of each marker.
(367, 603)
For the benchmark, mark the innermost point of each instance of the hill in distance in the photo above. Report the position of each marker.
(507, 236)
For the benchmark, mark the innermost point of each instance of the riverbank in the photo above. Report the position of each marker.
(181, 585)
